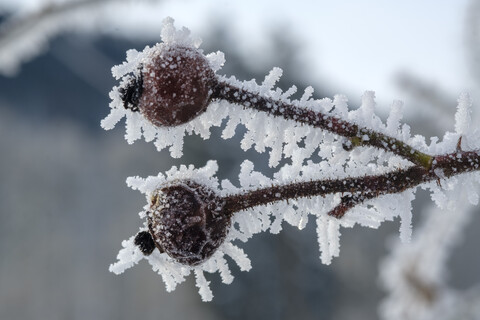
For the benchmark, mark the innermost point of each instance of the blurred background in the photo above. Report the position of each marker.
(64, 204)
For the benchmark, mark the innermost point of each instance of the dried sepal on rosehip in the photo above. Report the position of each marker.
(131, 92)
(144, 241)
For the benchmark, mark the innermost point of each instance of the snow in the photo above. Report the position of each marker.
(394, 118)
(463, 116)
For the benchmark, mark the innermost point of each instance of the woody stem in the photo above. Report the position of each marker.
(361, 188)
(357, 135)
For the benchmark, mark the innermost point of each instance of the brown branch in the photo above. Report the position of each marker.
(360, 188)
(348, 202)
(357, 135)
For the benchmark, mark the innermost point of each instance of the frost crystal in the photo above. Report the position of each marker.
(463, 115)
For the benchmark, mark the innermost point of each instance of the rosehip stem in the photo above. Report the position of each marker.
(358, 136)
(360, 188)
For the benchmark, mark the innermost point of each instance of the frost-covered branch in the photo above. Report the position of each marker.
(360, 188)
(357, 135)
(368, 170)
(177, 84)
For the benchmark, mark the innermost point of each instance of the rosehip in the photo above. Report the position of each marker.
(187, 222)
(177, 86)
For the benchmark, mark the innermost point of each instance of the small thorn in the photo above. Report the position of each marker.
(459, 144)
(338, 212)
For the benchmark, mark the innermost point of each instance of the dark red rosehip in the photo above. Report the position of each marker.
(177, 86)
(186, 221)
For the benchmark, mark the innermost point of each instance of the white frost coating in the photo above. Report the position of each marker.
(264, 133)
(306, 95)
(170, 35)
(216, 59)
(328, 231)
(127, 257)
(367, 108)
(271, 79)
(112, 119)
(341, 104)
(463, 117)
(203, 286)
(238, 255)
(405, 209)
(396, 114)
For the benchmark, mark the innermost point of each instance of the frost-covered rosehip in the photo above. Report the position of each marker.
(187, 222)
(177, 86)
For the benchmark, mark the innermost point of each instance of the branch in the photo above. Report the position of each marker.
(360, 188)
(358, 136)
(189, 220)
(177, 84)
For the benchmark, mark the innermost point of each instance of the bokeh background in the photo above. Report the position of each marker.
(64, 204)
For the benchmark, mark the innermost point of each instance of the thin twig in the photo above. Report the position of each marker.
(358, 136)
(360, 188)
